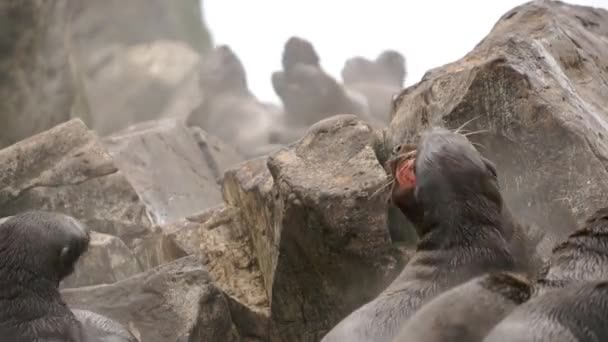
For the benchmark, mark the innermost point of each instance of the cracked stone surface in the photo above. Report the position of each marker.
(165, 164)
(66, 169)
(538, 84)
(314, 227)
(223, 244)
(173, 302)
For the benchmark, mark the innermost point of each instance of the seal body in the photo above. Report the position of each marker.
(461, 236)
(583, 256)
(575, 313)
(466, 313)
(37, 250)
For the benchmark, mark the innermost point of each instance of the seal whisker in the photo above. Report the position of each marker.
(459, 129)
(476, 132)
(381, 188)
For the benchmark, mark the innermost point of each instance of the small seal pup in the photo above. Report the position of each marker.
(461, 236)
(577, 313)
(467, 312)
(582, 257)
(37, 250)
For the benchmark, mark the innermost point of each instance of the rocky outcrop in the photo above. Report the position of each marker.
(224, 246)
(378, 80)
(36, 86)
(174, 302)
(538, 84)
(147, 81)
(309, 94)
(168, 168)
(67, 169)
(314, 227)
(229, 109)
(109, 63)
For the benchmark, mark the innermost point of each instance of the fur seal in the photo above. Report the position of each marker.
(37, 250)
(378, 80)
(582, 257)
(467, 313)
(573, 314)
(461, 235)
(308, 93)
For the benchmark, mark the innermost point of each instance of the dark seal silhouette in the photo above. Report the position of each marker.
(38, 250)
(461, 236)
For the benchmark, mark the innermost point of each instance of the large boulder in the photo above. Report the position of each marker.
(315, 227)
(224, 246)
(229, 109)
(36, 87)
(309, 93)
(170, 171)
(145, 81)
(67, 169)
(537, 84)
(378, 80)
(111, 63)
(174, 302)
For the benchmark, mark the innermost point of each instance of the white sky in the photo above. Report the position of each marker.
(429, 33)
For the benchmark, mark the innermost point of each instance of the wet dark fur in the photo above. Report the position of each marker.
(575, 313)
(466, 313)
(37, 250)
(583, 256)
(461, 237)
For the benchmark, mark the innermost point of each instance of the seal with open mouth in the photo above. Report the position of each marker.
(456, 206)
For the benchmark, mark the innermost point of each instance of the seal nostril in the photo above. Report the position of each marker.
(397, 148)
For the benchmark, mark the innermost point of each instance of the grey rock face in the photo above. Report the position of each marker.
(168, 169)
(314, 227)
(537, 85)
(176, 300)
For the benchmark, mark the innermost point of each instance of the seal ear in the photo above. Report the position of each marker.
(490, 167)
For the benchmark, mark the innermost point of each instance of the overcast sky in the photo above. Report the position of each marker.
(429, 33)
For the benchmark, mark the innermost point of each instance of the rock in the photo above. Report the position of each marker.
(146, 81)
(378, 80)
(216, 152)
(98, 24)
(173, 302)
(164, 163)
(314, 227)
(308, 93)
(224, 246)
(107, 261)
(66, 169)
(100, 61)
(537, 84)
(36, 87)
(229, 109)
